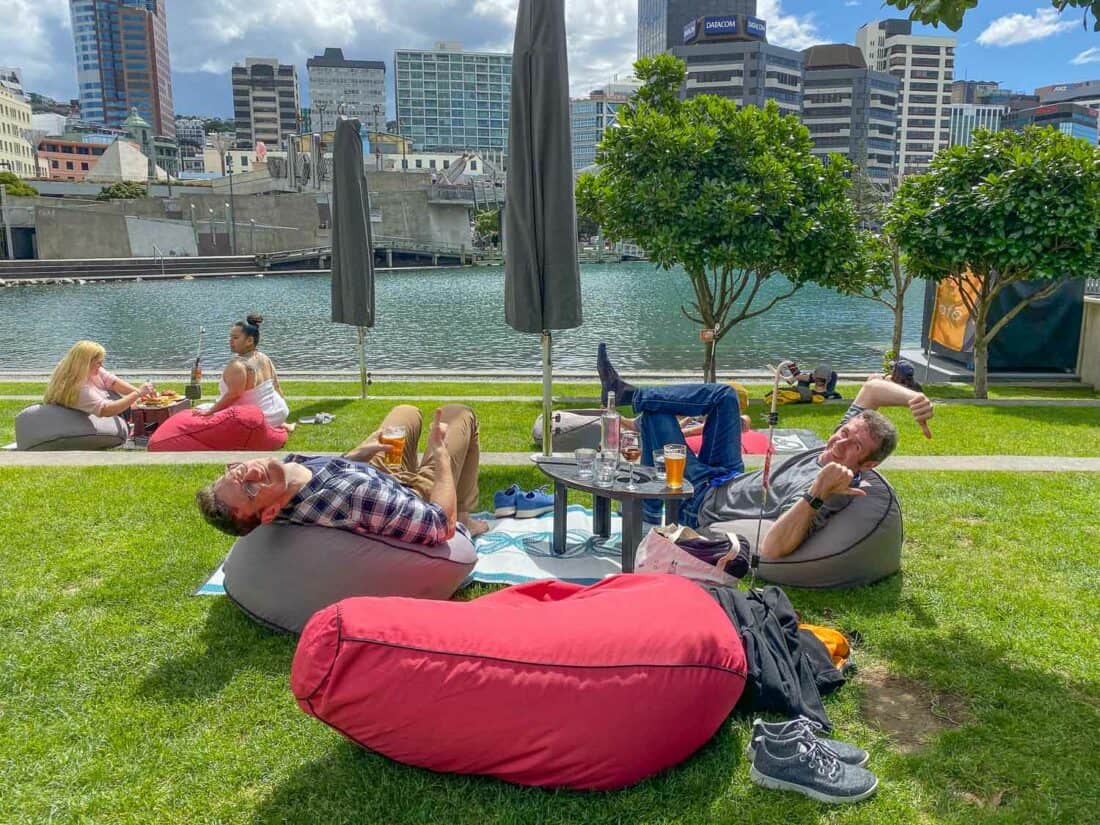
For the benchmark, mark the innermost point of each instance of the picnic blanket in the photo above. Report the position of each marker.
(518, 550)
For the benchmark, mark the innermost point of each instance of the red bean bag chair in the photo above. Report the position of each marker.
(753, 442)
(235, 428)
(545, 683)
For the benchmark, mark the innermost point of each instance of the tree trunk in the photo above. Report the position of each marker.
(981, 353)
(899, 320)
(709, 361)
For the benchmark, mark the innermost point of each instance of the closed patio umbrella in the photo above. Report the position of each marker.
(352, 245)
(542, 289)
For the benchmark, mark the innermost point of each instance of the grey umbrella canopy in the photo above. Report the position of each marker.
(352, 245)
(542, 289)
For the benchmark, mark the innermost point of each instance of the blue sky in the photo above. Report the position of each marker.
(1021, 43)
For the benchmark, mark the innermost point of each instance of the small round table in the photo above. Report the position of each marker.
(563, 471)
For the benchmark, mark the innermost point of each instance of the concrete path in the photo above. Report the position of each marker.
(967, 463)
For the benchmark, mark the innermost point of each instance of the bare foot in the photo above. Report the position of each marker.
(476, 526)
(288, 426)
(746, 423)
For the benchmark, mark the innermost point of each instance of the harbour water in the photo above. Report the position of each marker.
(436, 319)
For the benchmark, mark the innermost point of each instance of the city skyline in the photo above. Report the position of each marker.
(1017, 42)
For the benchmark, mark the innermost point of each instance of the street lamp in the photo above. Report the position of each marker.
(228, 206)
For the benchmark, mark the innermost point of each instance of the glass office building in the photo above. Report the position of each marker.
(122, 61)
(449, 100)
(661, 22)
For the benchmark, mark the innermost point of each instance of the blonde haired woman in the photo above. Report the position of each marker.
(80, 383)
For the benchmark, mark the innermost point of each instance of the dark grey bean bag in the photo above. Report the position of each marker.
(570, 430)
(281, 574)
(859, 545)
(52, 427)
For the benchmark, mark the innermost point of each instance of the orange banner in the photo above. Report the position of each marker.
(951, 317)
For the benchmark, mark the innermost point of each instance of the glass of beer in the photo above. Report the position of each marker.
(394, 438)
(675, 461)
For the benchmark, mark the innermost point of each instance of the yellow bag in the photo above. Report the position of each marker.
(835, 642)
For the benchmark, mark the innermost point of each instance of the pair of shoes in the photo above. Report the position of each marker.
(789, 757)
(522, 504)
(610, 381)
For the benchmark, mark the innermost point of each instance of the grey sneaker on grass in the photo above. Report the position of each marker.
(849, 754)
(807, 766)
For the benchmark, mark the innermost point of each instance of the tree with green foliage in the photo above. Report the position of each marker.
(487, 225)
(886, 280)
(734, 196)
(16, 187)
(1009, 208)
(952, 12)
(122, 191)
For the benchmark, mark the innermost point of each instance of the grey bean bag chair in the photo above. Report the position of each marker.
(52, 427)
(281, 574)
(859, 545)
(570, 430)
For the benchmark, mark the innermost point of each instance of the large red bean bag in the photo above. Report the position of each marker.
(239, 427)
(546, 683)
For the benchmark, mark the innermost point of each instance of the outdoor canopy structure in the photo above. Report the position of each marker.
(352, 245)
(541, 278)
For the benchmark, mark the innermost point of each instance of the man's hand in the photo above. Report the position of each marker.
(834, 479)
(922, 411)
(438, 432)
(365, 452)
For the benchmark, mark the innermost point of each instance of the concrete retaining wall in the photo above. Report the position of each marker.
(73, 233)
(152, 237)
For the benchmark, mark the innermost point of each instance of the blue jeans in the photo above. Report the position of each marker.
(720, 454)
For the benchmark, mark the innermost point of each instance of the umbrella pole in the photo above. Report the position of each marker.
(547, 379)
(362, 362)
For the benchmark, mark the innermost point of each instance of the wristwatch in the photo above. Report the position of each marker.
(814, 502)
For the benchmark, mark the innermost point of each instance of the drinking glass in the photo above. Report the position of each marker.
(630, 448)
(607, 465)
(586, 460)
(659, 463)
(675, 462)
(394, 438)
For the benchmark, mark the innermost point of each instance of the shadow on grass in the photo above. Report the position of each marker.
(350, 784)
(229, 642)
(1023, 754)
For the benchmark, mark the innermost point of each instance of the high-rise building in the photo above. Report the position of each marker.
(1073, 119)
(661, 22)
(354, 88)
(590, 117)
(16, 154)
(968, 117)
(1086, 93)
(925, 64)
(729, 56)
(12, 79)
(265, 101)
(850, 110)
(972, 91)
(122, 61)
(190, 131)
(449, 100)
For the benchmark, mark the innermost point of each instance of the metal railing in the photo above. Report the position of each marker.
(157, 253)
(1092, 286)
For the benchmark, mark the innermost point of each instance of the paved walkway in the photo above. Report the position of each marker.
(968, 463)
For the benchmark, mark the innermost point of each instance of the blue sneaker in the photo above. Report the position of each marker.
(504, 501)
(535, 503)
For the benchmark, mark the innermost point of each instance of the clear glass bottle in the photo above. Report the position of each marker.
(610, 423)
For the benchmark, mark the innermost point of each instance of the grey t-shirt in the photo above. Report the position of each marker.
(740, 497)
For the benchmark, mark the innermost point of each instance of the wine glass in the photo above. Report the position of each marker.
(630, 448)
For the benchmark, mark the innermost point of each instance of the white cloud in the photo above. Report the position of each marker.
(789, 30)
(1087, 56)
(851, 3)
(1014, 29)
(29, 39)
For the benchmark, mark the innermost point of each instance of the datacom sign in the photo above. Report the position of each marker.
(721, 26)
(755, 27)
(691, 31)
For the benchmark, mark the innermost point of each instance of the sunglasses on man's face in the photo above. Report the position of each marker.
(250, 488)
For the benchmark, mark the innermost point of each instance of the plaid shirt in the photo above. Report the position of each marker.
(362, 499)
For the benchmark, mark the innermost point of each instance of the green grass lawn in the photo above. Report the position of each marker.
(123, 699)
(506, 426)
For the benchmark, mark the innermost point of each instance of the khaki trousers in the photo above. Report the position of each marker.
(461, 444)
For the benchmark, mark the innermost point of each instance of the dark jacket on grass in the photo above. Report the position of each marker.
(788, 669)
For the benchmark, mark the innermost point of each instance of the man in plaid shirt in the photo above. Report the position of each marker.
(421, 503)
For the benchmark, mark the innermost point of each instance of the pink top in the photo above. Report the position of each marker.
(93, 395)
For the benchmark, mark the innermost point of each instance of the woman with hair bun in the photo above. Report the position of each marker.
(80, 383)
(250, 377)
